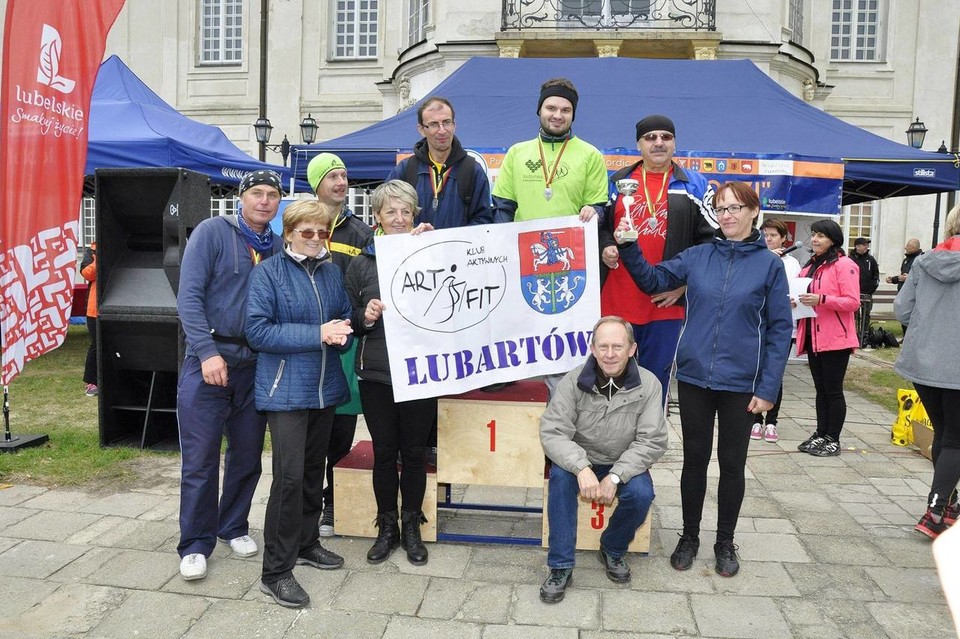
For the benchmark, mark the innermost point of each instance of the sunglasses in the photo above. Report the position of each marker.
(652, 137)
(309, 234)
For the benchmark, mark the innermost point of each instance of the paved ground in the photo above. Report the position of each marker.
(827, 551)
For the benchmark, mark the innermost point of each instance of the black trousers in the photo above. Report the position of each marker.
(698, 409)
(299, 439)
(828, 370)
(90, 365)
(402, 427)
(341, 441)
(942, 407)
(773, 413)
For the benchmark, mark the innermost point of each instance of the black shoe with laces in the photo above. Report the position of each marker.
(682, 558)
(828, 448)
(555, 587)
(286, 592)
(617, 569)
(410, 540)
(326, 521)
(727, 563)
(388, 537)
(320, 557)
(812, 441)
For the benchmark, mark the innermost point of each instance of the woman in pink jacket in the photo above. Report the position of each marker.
(830, 337)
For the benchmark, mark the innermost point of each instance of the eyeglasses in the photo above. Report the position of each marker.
(309, 234)
(435, 126)
(733, 209)
(652, 137)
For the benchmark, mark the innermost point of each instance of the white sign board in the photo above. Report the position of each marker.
(471, 306)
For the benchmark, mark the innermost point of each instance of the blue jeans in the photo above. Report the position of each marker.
(633, 501)
(657, 348)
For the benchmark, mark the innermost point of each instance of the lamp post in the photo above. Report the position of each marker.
(262, 128)
(936, 213)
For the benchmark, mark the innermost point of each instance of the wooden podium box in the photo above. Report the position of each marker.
(492, 439)
(356, 508)
(592, 520)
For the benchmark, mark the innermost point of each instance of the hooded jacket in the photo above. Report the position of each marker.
(581, 427)
(363, 285)
(214, 275)
(834, 328)
(286, 305)
(736, 335)
(929, 304)
(450, 210)
(350, 234)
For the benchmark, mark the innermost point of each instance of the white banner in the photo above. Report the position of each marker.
(468, 307)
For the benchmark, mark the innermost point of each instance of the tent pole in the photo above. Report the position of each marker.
(264, 20)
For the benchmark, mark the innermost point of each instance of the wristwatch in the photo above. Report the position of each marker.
(615, 479)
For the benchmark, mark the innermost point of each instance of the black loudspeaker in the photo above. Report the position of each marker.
(143, 219)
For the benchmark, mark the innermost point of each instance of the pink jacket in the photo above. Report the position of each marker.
(834, 329)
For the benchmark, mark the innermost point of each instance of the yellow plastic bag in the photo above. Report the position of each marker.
(919, 414)
(901, 433)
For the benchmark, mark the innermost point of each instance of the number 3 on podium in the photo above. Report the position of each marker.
(596, 522)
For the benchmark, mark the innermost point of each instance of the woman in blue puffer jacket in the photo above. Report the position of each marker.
(298, 318)
(730, 359)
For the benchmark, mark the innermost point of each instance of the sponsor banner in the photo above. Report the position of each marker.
(51, 52)
(472, 306)
(785, 184)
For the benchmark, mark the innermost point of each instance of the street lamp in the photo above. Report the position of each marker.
(936, 212)
(262, 128)
(915, 134)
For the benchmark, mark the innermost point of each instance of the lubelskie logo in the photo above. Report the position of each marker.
(553, 272)
(48, 71)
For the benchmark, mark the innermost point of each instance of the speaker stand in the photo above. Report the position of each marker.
(11, 444)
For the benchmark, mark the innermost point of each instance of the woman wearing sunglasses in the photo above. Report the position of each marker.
(730, 359)
(402, 427)
(299, 319)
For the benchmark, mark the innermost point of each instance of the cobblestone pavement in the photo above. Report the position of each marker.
(826, 545)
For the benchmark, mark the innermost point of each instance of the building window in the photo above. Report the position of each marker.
(795, 21)
(858, 220)
(605, 7)
(221, 32)
(88, 222)
(419, 16)
(356, 34)
(855, 31)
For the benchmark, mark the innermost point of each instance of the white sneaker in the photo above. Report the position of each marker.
(243, 546)
(193, 566)
(756, 432)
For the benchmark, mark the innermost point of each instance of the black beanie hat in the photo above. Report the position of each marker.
(559, 91)
(655, 123)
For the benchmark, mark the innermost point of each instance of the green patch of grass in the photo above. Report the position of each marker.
(47, 397)
(878, 384)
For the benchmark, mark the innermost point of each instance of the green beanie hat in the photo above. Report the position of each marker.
(320, 165)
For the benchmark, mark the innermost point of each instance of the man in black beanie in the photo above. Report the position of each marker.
(672, 210)
(556, 173)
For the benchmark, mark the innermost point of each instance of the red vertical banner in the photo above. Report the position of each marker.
(51, 52)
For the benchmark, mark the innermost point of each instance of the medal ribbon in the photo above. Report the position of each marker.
(652, 204)
(548, 180)
(439, 180)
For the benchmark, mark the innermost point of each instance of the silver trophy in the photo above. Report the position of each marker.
(627, 188)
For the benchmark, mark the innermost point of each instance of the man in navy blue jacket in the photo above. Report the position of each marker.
(215, 390)
(441, 165)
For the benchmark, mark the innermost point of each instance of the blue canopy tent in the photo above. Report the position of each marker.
(721, 106)
(131, 126)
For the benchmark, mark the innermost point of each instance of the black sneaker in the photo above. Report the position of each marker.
(682, 557)
(828, 448)
(811, 442)
(320, 557)
(617, 569)
(554, 588)
(726, 552)
(929, 526)
(286, 592)
(326, 521)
